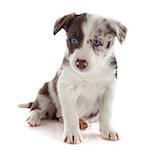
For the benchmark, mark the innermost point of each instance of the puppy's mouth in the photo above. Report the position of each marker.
(82, 70)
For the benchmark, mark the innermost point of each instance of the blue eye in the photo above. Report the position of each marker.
(98, 43)
(74, 41)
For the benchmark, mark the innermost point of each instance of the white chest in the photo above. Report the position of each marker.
(89, 93)
(88, 88)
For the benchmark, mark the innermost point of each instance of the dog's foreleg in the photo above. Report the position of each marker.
(68, 98)
(107, 132)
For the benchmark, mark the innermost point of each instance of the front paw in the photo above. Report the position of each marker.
(72, 138)
(108, 134)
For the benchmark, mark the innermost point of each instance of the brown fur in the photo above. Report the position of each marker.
(35, 105)
(44, 90)
(63, 22)
(55, 83)
(72, 24)
(65, 61)
(113, 63)
(75, 31)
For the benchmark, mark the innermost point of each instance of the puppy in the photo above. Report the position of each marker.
(83, 87)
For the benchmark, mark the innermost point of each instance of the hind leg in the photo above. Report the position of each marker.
(39, 109)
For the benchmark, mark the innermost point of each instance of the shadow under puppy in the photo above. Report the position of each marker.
(83, 87)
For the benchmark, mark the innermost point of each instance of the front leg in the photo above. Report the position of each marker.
(68, 98)
(107, 132)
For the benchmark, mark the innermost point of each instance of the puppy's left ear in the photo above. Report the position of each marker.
(63, 22)
(119, 29)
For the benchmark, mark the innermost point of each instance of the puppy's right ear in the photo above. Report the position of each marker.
(119, 29)
(63, 22)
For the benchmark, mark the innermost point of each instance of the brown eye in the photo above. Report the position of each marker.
(98, 42)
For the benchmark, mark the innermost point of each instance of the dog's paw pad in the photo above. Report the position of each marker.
(72, 139)
(109, 135)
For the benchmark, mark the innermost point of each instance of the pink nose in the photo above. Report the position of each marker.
(81, 63)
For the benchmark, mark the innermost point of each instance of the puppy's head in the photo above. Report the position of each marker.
(89, 38)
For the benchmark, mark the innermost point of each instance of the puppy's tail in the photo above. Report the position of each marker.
(27, 105)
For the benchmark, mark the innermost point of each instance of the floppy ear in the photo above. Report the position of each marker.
(63, 22)
(119, 30)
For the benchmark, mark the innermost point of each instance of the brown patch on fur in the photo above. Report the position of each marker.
(110, 43)
(113, 63)
(65, 61)
(44, 90)
(30, 104)
(63, 22)
(75, 30)
(123, 31)
(55, 80)
(116, 74)
(92, 115)
(61, 119)
(72, 24)
(116, 29)
(109, 30)
(99, 31)
(35, 105)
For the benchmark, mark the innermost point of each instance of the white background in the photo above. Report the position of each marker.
(30, 55)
